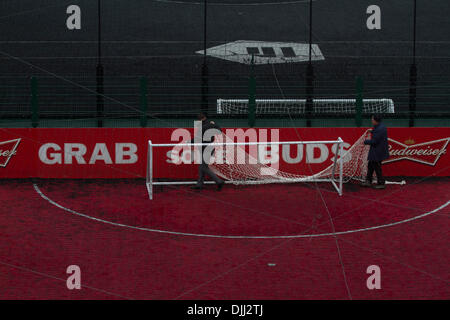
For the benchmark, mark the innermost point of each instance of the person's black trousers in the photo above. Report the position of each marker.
(203, 169)
(375, 166)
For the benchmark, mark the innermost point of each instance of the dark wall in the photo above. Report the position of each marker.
(158, 39)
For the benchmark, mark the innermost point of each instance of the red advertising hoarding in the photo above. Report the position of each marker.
(122, 152)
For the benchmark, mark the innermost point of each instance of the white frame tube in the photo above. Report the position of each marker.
(242, 143)
(149, 174)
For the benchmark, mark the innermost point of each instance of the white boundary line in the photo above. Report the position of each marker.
(36, 188)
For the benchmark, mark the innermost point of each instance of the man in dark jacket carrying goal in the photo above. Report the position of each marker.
(379, 151)
(203, 168)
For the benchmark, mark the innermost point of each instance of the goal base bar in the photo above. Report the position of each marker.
(178, 183)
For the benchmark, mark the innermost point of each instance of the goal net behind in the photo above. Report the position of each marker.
(298, 106)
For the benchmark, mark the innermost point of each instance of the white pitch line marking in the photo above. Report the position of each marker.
(36, 188)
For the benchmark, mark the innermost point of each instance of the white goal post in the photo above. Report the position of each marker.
(298, 106)
(250, 173)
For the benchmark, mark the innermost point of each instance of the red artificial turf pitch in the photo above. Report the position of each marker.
(199, 245)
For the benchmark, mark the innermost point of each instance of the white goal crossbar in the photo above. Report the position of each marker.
(335, 177)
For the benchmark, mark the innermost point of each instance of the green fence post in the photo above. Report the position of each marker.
(412, 94)
(34, 102)
(252, 96)
(144, 101)
(309, 94)
(359, 101)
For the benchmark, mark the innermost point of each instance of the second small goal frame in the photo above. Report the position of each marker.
(389, 103)
(336, 182)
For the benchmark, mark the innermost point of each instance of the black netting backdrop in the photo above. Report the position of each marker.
(160, 41)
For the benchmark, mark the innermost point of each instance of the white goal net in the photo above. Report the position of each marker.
(239, 163)
(353, 164)
(298, 106)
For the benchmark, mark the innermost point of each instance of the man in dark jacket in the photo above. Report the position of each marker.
(379, 151)
(203, 168)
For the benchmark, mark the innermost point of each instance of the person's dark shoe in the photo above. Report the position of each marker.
(196, 187)
(379, 186)
(220, 186)
(366, 184)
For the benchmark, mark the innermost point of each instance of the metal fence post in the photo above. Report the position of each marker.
(309, 93)
(412, 93)
(144, 101)
(34, 102)
(252, 96)
(359, 101)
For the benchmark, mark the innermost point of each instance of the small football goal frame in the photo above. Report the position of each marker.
(332, 174)
(298, 106)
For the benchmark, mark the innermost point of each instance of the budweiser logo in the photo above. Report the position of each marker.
(426, 152)
(7, 150)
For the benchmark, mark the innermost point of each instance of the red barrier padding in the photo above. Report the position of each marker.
(122, 152)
